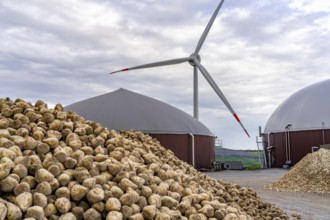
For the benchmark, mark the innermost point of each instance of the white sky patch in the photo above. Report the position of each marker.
(72, 13)
(307, 6)
(239, 13)
(323, 25)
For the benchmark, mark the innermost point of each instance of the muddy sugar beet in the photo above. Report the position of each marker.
(57, 165)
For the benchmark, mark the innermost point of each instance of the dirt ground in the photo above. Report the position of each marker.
(311, 206)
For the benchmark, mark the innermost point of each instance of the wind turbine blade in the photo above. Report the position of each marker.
(161, 63)
(218, 91)
(207, 29)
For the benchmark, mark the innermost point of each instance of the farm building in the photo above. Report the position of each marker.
(300, 125)
(173, 128)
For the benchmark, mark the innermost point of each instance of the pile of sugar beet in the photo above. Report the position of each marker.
(57, 165)
(310, 174)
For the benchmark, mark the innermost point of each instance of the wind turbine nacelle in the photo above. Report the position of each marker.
(193, 56)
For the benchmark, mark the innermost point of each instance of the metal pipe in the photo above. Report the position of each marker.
(192, 149)
(269, 155)
(258, 152)
(196, 113)
(314, 148)
(268, 138)
(260, 133)
(286, 147)
(323, 132)
(287, 143)
(268, 147)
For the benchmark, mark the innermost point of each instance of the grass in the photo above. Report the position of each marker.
(248, 163)
(256, 153)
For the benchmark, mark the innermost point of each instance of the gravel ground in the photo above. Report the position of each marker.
(310, 206)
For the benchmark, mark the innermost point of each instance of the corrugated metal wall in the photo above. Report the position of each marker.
(301, 143)
(181, 144)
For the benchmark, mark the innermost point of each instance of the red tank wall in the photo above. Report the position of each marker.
(301, 143)
(181, 145)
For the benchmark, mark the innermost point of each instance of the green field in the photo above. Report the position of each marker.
(256, 152)
(248, 163)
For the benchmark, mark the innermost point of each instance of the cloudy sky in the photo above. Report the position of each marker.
(259, 53)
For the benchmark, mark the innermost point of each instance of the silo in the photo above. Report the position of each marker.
(173, 128)
(299, 125)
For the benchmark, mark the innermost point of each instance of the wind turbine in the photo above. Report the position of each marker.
(194, 60)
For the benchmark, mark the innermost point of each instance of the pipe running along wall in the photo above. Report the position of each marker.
(192, 149)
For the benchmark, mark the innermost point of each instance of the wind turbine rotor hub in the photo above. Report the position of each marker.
(192, 57)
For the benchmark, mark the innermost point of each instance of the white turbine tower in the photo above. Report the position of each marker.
(194, 60)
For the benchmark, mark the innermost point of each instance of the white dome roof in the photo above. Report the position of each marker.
(125, 110)
(306, 109)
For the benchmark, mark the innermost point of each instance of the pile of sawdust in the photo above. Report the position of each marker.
(311, 174)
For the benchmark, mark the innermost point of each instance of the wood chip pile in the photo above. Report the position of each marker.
(57, 165)
(310, 174)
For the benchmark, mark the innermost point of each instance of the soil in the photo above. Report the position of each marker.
(310, 206)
